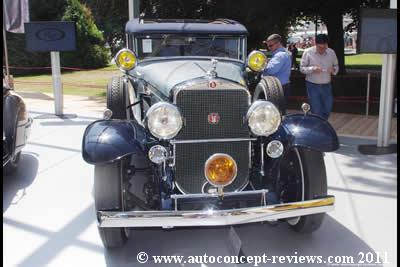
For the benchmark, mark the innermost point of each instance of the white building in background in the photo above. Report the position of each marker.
(350, 37)
(303, 36)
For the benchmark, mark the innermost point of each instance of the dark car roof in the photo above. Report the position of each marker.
(219, 26)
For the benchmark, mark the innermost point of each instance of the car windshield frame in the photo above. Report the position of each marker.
(189, 45)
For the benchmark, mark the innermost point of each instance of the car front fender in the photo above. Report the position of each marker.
(105, 141)
(310, 131)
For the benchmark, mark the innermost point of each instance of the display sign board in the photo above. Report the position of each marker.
(47, 36)
(377, 31)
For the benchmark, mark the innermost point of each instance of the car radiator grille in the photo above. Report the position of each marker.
(190, 160)
(196, 105)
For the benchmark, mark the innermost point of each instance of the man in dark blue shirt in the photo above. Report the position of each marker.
(280, 64)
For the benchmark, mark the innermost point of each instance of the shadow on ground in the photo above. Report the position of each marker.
(383, 168)
(57, 241)
(332, 239)
(14, 185)
(35, 95)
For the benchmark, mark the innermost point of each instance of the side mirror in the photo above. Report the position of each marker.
(257, 61)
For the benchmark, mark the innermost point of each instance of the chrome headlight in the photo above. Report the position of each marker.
(263, 118)
(164, 120)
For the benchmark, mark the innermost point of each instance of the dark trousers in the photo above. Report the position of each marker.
(321, 99)
(286, 93)
(294, 63)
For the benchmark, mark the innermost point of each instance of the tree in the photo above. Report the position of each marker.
(175, 9)
(40, 10)
(44, 10)
(254, 14)
(111, 17)
(260, 17)
(90, 52)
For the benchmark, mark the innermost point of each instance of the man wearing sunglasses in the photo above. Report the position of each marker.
(319, 63)
(279, 65)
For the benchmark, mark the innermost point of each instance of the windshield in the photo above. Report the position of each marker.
(207, 46)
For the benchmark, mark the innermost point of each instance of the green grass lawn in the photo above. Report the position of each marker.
(364, 61)
(93, 82)
(360, 61)
(85, 83)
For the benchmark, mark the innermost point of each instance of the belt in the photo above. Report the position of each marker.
(318, 83)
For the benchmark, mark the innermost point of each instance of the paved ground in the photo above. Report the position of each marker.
(48, 213)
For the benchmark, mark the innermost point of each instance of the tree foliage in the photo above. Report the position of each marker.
(261, 17)
(111, 17)
(354, 11)
(40, 10)
(45, 10)
(90, 52)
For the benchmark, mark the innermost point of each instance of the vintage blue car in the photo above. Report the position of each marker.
(193, 135)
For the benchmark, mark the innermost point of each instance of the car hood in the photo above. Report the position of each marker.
(165, 74)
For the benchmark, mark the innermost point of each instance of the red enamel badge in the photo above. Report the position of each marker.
(213, 118)
(212, 84)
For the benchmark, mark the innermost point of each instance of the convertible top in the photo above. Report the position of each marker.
(219, 26)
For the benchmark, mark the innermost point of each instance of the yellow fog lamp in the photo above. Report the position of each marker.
(257, 61)
(220, 170)
(126, 59)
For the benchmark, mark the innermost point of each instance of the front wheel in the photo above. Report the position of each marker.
(108, 197)
(304, 178)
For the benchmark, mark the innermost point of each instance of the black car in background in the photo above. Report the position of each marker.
(16, 127)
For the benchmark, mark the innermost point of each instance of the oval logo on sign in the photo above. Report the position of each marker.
(50, 34)
(213, 118)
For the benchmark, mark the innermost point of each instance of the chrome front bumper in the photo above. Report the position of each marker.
(171, 219)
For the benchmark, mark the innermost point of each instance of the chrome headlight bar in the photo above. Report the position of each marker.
(164, 120)
(263, 118)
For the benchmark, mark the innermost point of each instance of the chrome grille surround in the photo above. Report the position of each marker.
(196, 101)
(198, 140)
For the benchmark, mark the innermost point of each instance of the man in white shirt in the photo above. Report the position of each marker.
(319, 63)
